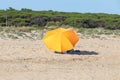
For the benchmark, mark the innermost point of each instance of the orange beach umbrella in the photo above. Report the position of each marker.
(60, 39)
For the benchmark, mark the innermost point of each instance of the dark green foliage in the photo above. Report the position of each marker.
(28, 17)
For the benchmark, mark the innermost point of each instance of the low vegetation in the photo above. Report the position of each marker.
(27, 17)
(27, 23)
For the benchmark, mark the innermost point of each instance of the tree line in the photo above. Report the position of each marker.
(28, 17)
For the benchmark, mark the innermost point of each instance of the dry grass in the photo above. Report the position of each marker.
(38, 33)
(21, 32)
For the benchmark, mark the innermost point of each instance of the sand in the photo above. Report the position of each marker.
(23, 59)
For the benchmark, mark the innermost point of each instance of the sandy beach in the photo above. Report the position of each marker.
(24, 59)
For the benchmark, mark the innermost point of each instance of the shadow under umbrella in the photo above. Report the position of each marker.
(78, 52)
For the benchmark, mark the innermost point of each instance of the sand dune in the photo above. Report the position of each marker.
(23, 59)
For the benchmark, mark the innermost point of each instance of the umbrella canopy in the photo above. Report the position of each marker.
(60, 39)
